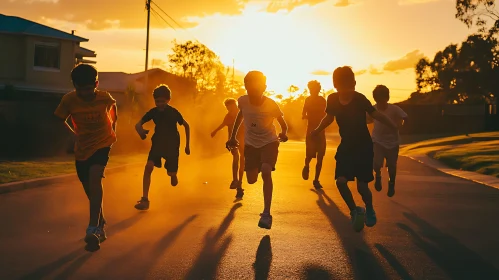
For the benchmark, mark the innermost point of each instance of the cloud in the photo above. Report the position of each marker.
(406, 62)
(413, 2)
(289, 5)
(99, 14)
(321, 73)
(360, 72)
(343, 3)
(374, 71)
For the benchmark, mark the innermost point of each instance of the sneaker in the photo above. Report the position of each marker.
(234, 185)
(174, 180)
(142, 204)
(358, 218)
(304, 173)
(101, 234)
(377, 184)
(265, 221)
(92, 240)
(317, 185)
(370, 217)
(240, 192)
(391, 188)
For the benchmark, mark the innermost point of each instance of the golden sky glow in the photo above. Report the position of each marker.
(290, 41)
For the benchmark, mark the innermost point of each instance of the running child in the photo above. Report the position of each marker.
(386, 140)
(237, 153)
(165, 141)
(354, 156)
(261, 140)
(93, 116)
(314, 111)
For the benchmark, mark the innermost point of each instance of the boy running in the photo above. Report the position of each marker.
(313, 111)
(261, 140)
(354, 156)
(386, 140)
(165, 141)
(93, 115)
(237, 153)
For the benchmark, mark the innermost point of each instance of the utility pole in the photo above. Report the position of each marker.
(148, 7)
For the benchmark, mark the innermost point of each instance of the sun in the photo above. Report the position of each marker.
(287, 48)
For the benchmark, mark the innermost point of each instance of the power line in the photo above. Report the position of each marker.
(171, 18)
(154, 11)
(167, 15)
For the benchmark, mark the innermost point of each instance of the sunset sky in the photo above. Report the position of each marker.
(290, 41)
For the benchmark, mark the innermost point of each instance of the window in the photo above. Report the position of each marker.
(47, 56)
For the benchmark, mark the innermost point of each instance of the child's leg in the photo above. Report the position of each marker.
(86, 187)
(242, 162)
(268, 154)
(379, 158)
(146, 182)
(318, 167)
(96, 193)
(391, 162)
(310, 153)
(171, 166)
(346, 194)
(252, 163)
(235, 164)
(268, 187)
(365, 192)
(321, 152)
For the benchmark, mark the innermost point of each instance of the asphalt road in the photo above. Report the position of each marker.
(436, 227)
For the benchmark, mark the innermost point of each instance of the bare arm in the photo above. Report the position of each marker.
(67, 124)
(114, 116)
(326, 121)
(140, 130)
(384, 119)
(237, 124)
(283, 124)
(222, 125)
(187, 129)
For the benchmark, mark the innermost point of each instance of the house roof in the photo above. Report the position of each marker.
(17, 25)
(82, 52)
(119, 81)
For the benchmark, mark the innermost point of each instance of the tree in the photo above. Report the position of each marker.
(465, 74)
(478, 13)
(197, 62)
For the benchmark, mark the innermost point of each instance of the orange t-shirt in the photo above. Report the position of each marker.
(92, 122)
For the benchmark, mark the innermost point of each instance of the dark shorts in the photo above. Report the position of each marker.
(381, 153)
(169, 152)
(316, 146)
(355, 163)
(100, 157)
(255, 157)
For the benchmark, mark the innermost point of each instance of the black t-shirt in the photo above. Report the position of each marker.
(351, 119)
(165, 123)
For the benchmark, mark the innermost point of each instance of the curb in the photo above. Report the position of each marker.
(475, 177)
(40, 182)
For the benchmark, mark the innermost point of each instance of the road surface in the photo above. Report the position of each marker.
(436, 227)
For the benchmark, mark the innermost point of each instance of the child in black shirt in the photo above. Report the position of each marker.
(165, 141)
(354, 156)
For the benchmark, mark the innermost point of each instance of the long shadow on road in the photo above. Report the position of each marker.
(141, 258)
(263, 259)
(78, 257)
(448, 253)
(364, 263)
(206, 265)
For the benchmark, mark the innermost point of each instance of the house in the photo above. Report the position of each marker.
(38, 58)
(118, 83)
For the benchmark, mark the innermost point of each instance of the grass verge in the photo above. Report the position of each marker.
(13, 170)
